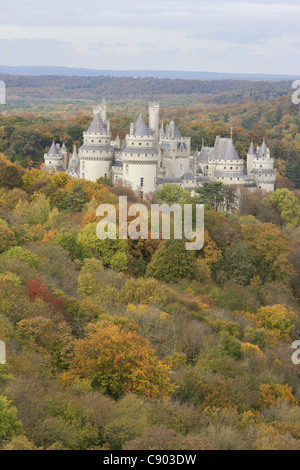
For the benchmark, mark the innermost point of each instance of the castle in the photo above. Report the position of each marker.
(151, 156)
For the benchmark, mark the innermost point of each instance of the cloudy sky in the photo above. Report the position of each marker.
(248, 36)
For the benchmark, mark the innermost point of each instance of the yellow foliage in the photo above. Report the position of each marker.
(211, 252)
(49, 236)
(251, 348)
(270, 393)
(117, 362)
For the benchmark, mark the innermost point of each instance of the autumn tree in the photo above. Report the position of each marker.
(287, 205)
(116, 362)
(172, 262)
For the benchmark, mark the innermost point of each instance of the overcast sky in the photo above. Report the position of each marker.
(253, 36)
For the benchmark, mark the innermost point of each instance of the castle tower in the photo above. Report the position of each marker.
(174, 151)
(55, 159)
(96, 154)
(140, 158)
(251, 155)
(74, 164)
(260, 166)
(154, 119)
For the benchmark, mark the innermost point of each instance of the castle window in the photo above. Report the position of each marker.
(142, 182)
(140, 143)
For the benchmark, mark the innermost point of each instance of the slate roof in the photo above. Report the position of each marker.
(229, 174)
(53, 150)
(263, 150)
(263, 171)
(177, 134)
(251, 150)
(97, 126)
(96, 148)
(205, 154)
(140, 150)
(117, 163)
(225, 150)
(140, 128)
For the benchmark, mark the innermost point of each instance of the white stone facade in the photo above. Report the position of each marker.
(149, 158)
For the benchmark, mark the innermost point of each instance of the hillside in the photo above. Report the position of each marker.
(194, 350)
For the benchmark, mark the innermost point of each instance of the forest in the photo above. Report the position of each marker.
(140, 344)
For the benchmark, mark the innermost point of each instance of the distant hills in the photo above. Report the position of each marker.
(165, 74)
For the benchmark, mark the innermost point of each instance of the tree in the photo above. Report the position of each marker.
(288, 206)
(105, 181)
(117, 362)
(10, 177)
(37, 290)
(9, 424)
(173, 193)
(7, 239)
(270, 393)
(213, 195)
(275, 317)
(172, 262)
(271, 252)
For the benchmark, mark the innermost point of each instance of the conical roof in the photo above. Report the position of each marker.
(53, 149)
(263, 149)
(97, 126)
(140, 128)
(251, 150)
(231, 153)
(177, 134)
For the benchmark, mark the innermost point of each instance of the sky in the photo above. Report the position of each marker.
(236, 36)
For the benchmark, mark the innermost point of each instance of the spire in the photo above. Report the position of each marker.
(251, 150)
(177, 134)
(263, 150)
(53, 149)
(140, 128)
(162, 130)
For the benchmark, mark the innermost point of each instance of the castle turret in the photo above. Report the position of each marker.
(260, 166)
(55, 159)
(154, 119)
(140, 158)
(96, 154)
(174, 151)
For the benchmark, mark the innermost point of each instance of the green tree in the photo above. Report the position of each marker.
(9, 424)
(213, 195)
(173, 193)
(10, 177)
(288, 206)
(7, 239)
(172, 262)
